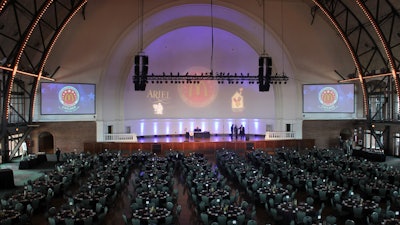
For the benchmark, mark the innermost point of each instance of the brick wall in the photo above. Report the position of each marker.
(66, 135)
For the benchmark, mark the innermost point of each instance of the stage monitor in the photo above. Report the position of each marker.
(67, 98)
(328, 98)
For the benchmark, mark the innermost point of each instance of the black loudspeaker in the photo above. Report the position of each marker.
(141, 71)
(156, 148)
(264, 73)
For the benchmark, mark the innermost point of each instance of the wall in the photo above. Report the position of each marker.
(67, 135)
(326, 132)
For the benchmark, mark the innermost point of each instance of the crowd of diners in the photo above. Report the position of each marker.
(318, 186)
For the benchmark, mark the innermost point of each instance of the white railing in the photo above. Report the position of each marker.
(279, 135)
(120, 138)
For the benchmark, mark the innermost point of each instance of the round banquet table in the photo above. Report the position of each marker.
(148, 195)
(11, 214)
(230, 211)
(391, 221)
(92, 196)
(289, 209)
(146, 214)
(367, 205)
(26, 197)
(214, 193)
(78, 215)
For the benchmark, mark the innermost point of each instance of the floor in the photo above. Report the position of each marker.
(122, 204)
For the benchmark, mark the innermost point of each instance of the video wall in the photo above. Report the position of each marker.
(328, 98)
(206, 99)
(67, 98)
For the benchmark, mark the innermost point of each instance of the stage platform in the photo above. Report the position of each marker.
(161, 144)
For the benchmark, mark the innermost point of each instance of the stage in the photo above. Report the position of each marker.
(161, 144)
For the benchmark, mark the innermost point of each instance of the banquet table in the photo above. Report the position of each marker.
(367, 205)
(230, 211)
(289, 209)
(391, 221)
(11, 214)
(214, 193)
(154, 213)
(77, 214)
(148, 195)
(91, 196)
(27, 197)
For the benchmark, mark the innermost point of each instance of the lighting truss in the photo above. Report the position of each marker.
(221, 77)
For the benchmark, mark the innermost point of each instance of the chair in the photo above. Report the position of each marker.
(69, 221)
(6, 222)
(240, 219)
(222, 219)
(204, 218)
(349, 222)
(135, 221)
(275, 216)
(125, 219)
(300, 216)
(310, 200)
(169, 220)
(88, 221)
(358, 212)
(330, 220)
(251, 222)
(170, 206)
(374, 218)
(51, 220)
(307, 220)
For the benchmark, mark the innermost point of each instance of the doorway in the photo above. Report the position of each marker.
(46, 142)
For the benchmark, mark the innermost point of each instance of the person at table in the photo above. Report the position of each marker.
(58, 154)
(197, 129)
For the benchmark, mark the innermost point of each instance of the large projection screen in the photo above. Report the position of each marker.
(67, 98)
(328, 98)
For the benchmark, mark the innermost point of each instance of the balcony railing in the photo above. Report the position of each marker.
(120, 138)
(279, 135)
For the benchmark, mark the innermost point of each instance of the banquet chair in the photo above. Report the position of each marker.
(307, 220)
(222, 219)
(358, 212)
(6, 222)
(204, 218)
(170, 206)
(51, 220)
(251, 222)
(169, 220)
(125, 219)
(349, 222)
(330, 220)
(88, 221)
(69, 221)
(240, 219)
(135, 221)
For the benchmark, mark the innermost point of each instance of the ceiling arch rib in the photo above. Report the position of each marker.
(328, 11)
(380, 17)
(49, 47)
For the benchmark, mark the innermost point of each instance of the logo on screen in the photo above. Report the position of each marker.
(328, 98)
(69, 98)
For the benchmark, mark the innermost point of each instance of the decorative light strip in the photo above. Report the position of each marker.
(385, 45)
(368, 77)
(50, 48)
(352, 53)
(26, 73)
(3, 4)
(20, 52)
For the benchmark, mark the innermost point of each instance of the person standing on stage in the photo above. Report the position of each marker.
(232, 130)
(236, 132)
